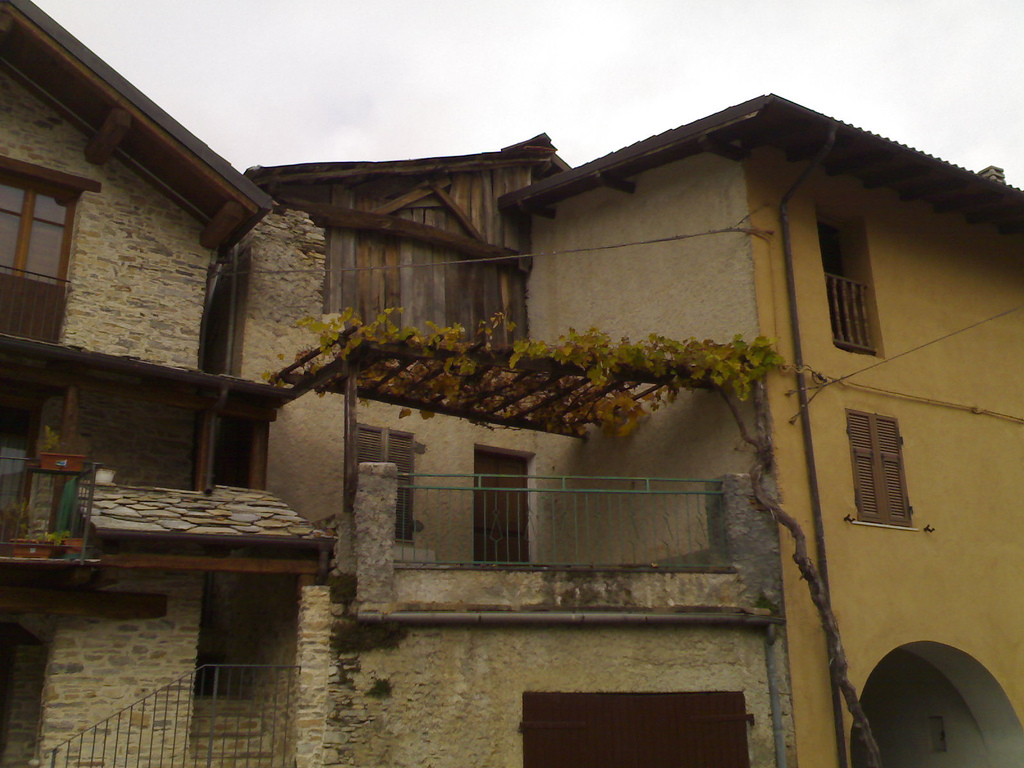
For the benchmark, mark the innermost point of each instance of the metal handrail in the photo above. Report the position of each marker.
(163, 730)
(543, 520)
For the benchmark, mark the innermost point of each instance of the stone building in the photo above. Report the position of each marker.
(184, 579)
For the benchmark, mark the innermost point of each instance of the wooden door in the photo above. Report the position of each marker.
(501, 513)
(635, 730)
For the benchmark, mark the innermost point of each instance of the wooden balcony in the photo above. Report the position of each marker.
(31, 305)
(848, 309)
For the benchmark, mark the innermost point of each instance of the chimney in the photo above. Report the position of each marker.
(993, 172)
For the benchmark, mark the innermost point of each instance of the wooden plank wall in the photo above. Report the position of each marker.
(446, 293)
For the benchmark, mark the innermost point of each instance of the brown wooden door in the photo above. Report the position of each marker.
(501, 514)
(635, 730)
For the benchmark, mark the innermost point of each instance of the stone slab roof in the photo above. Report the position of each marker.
(225, 511)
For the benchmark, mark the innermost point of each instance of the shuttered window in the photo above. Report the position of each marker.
(878, 477)
(383, 444)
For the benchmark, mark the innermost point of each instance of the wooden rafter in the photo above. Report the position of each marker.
(102, 145)
(349, 218)
(457, 212)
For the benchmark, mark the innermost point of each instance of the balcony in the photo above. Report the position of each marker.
(513, 520)
(31, 305)
(44, 509)
(545, 547)
(848, 310)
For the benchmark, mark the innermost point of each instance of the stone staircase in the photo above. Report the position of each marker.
(229, 734)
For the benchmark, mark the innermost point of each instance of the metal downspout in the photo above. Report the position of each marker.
(771, 635)
(805, 420)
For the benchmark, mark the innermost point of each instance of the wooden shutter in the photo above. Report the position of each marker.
(878, 476)
(635, 730)
(382, 444)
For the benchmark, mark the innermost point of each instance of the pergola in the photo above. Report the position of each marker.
(481, 383)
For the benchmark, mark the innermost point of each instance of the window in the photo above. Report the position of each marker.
(383, 444)
(847, 280)
(35, 238)
(878, 477)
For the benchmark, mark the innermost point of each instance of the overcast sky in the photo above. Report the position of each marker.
(271, 82)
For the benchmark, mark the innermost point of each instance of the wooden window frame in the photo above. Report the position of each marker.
(879, 471)
(405, 525)
(34, 180)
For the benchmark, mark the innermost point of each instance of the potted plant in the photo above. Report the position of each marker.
(50, 456)
(51, 545)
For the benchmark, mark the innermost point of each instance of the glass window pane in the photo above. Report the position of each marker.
(11, 199)
(8, 238)
(44, 249)
(48, 209)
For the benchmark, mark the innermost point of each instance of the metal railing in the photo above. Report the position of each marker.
(569, 521)
(218, 716)
(45, 513)
(31, 305)
(848, 309)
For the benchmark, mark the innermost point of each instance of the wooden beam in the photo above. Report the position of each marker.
(36, 173)
(349, 218)
(69, 440)
(722, 148)
(102, 145)
(73, 602)
(457, 212)
(145, 561)
(536, 210)
(884, 177)
(408, 198)
(853, 162)
(351, 440)
(614, 182)
(135, 389)
(961, 202)
(230, 215)
(920, 189)
(6, 25)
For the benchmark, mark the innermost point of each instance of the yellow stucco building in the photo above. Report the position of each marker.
(895, 281)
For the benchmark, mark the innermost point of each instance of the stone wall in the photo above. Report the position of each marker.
(98, 666)
(137, 271)
(311, 701)
(249, 618)
(146, 443)
(24, 687)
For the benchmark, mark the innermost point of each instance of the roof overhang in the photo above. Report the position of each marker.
(42, 365)
(799, 132)
(121, 121)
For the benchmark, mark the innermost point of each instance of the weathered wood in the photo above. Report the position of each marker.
(614, 182)
(409, 197)
(36, 173)
(102, 145)
(69, 439)
(351, 438)
(102, 605)
(458, 213)
(204, 446)
(224, 222)
(339, 216)
(135, 561)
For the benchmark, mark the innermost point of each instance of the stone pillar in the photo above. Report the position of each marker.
(376, 496)
(313, 656)
(751, 540)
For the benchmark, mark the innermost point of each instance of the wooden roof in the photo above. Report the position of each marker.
(799, 132)
(120, 120)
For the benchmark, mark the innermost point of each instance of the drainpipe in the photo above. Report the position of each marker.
(805, 419)
(204, 324)
(770, 637)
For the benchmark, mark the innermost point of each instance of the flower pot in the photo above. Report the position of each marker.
(36, 549)
(62, 462)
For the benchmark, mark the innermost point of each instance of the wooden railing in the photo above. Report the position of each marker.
(31, 305)
(848, 309)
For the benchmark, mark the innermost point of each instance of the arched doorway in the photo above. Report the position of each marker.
(932, 705)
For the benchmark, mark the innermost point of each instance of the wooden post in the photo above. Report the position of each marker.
(69, 439)
(351, 441)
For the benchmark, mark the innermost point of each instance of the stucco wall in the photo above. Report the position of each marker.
(701, 287)
(932, 276)
(137, 271)
(455, 694)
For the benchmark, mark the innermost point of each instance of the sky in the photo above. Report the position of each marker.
(274, 82)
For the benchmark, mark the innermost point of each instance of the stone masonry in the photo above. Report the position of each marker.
(138, 273)
(98, 666)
